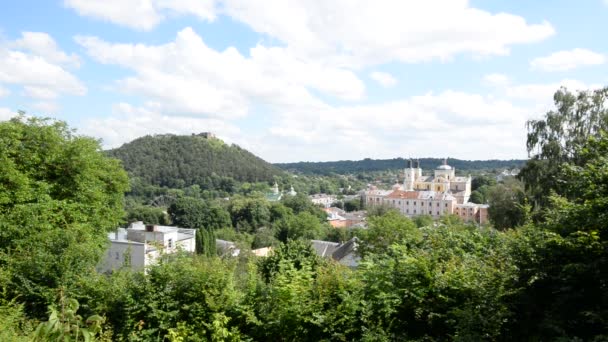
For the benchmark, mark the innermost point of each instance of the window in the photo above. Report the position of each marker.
(414, 202)
(407, 211)
(437, 213)
(414, 211)
(399, 203)
(407, 202)
(430, 204)
(437, 204)
(117, 256)
(446, 205)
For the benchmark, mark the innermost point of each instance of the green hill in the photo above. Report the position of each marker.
(367, 165)
(178, 161)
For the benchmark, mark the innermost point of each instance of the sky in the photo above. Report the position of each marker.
(303, 80)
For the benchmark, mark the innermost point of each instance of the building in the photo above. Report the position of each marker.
(275, 195)
(139, 245)
(444, 179)
(339, 218)
(323, 200)
(442, 193)
(343, 253)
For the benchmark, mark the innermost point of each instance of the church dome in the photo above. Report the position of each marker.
(444, 166)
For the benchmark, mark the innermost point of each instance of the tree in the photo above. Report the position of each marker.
(249, 213)
(484, 180)
(295, 253)
(149, 215)
(205, 242)
(557, 138)
(477, 197)
(301, 226)
(564, 260)
(59, 197)
(507, 205)
(195, 213)
(385, 230)
(352, 205)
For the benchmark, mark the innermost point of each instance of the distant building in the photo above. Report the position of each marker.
(339, 218)
(227, 248)
(139, 245)
(507, 174)
(441, 194)
(344, 253)
(207, 135)
(323, 200)
(275, 194)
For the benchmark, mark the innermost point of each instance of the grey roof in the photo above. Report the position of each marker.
(324, 248)
(334, 250)
(344, 249)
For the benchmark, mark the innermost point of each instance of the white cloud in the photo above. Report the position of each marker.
(361, 32)
(543, 92)
(357, 32)
(4, 92)
(383, 78)
(41, 44)
(40, 93)
(496, 79)
(142, 14)
(45, 108)
(455, 123)
(567, 60)
(128, 122)
(36, 63)
(6, 113)
(186, 76)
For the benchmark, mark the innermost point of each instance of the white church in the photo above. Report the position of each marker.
(439, 194)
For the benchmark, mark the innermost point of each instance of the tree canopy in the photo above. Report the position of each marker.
(59, 196)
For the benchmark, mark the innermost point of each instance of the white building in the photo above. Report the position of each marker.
(323, 200)
(139, 245)
(442, 193)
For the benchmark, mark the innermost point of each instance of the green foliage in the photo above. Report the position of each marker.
(483, 180)
(182, 161)
(557, 138)
(295, 253)
(191, 212)
(14, 326)
(507, 205)
(65, 325)
(352, 205)
(205, 242)
(147, 214)
(385, 230)
(423, 221)
(249, 213)
(59, 196)
(368, 165)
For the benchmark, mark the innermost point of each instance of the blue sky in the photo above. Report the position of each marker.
(309, 80)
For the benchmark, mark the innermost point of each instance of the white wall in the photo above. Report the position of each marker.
(115, 256)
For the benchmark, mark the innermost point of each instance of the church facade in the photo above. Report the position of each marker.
(442, 193)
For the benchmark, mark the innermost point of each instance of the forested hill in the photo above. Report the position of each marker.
(365, 165)
(177, 161)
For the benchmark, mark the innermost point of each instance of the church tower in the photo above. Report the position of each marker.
(410, 177)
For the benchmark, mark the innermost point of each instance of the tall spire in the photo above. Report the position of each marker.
(411, 163)
(417, 163)
(445, 161)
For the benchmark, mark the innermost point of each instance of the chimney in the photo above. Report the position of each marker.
(150, 227)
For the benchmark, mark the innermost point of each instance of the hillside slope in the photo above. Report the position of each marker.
(366, 165)
(178, 161)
